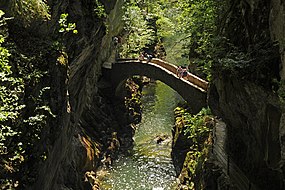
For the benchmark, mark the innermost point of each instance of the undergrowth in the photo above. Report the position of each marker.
(198, 128)
(26, 94)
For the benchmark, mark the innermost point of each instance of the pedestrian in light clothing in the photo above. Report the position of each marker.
(141, 57)
(179, 71)
(115, 40)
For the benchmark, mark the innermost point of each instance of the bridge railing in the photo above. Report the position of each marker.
(173, 68)
(126, 59)
(190, 77)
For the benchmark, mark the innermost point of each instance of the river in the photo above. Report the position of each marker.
(148, 166)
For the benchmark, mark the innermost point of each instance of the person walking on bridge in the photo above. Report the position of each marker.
(184, 72)
(148, 57)
(115, 40)
(141, 57)
(179, 71)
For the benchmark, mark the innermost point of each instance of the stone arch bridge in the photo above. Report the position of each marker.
(192, 88)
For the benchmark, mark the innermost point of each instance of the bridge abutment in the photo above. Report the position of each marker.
(113, 76)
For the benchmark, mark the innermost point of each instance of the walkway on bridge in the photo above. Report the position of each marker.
(200, 83)
(192, 88)
(237, 177)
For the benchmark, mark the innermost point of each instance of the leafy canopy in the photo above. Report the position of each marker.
(186, 28)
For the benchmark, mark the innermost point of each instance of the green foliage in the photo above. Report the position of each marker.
(4, 54)
(193, 167)
(10, 91)
(195, 126)
(65, 26)
(99, 9)
(139, 33)
(198, 128)
(29, 10)
(24, 106)
(197, 25)
(165, 27)
(186, 28)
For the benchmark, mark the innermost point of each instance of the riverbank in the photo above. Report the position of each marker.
(148, 165)
(195, 165)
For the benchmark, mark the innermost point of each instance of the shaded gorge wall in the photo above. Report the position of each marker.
(247, 99)
(86, 127)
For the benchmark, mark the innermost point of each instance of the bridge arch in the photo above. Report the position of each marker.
(193, 90)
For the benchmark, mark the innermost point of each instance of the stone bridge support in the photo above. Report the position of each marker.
(118, 72)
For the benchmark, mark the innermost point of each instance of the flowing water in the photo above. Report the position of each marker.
(149, 165)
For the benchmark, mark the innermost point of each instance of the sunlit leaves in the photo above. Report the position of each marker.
(165, 27)
(4, 54)
(196, 20)
(11, 88)
(29, 10)
(139, 34)
(24, 106)
(197, 128)
(186, 27)
(65, 26)
(99, 9)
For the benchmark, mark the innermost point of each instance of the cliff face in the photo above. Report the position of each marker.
(277, 29)
(254, 129)
(88, 127)
(252, 111)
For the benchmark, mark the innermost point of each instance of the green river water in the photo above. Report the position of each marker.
(149, 165)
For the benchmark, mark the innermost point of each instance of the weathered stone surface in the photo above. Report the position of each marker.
(277, 29)
(253, 114)
(195, 96)
(180, 147)
(88, 123)
(253, 117)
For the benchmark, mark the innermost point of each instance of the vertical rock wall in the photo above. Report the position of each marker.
(253, 117)
(252, 111)
(89, 125)
(277, 29)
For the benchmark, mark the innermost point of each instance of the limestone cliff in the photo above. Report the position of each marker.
(254, 129)
(89, 127)
(277, 29)
(246, 102)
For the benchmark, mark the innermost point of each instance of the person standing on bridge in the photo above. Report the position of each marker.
(141, 57)
(116, 41)
(179, 71)
(148, 57)
(184, 72)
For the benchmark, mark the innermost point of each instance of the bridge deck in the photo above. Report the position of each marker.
(191, 88)
(173, 69)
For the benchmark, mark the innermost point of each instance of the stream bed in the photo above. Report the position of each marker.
(148, 166)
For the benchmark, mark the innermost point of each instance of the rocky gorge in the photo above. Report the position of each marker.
(92, 125)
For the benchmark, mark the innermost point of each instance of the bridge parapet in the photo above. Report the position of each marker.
(190, 77)
(195, 93)
(173, 68)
